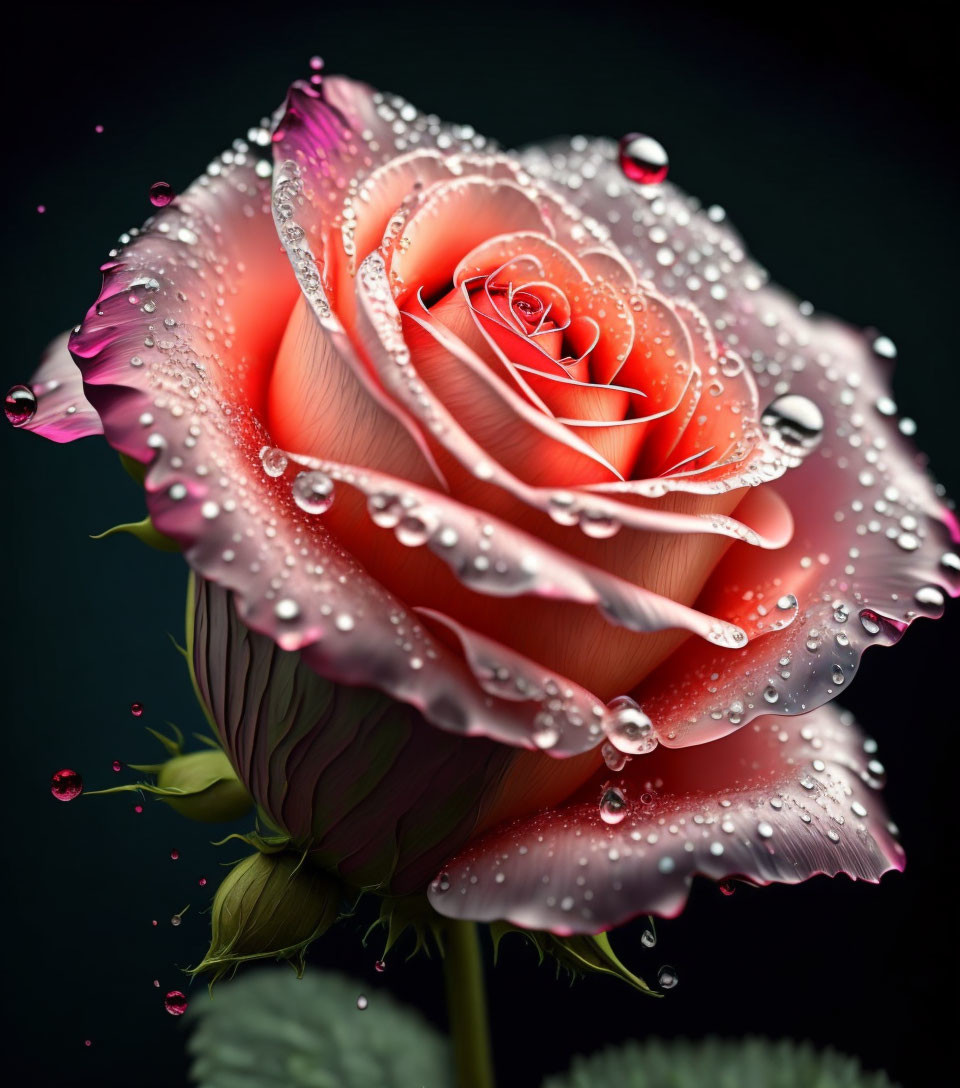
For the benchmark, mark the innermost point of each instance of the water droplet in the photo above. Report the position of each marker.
(286, 609)
(629, 729)
(442, 883)
(175, 1003)
(794, 424)
(771, 694)
(274, 461)
(66, 785)
(727, 887)
(117, 766)
(175, 920)
(174, 855)
(612, 806)
(643, 159)
(316, 63)
(764, 830)
(885, 347)
(614, 759)
(667, 978)
(98, 129)
(136, 709)
(202, 882)
(362, 1002)
(869, 620)
(313, 492)
(930, 596)
(379, 967)
(545, 733)
(648, 938)
(161, 193)
(41, 208)
(19, 405)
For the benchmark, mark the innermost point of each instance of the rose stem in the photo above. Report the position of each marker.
(467, 1006)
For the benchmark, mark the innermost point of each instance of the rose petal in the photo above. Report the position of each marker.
(874, 544)
(63, 412)
(778, 802)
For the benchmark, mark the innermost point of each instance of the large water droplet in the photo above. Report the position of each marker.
(19, 405)
(629, 729)
(643, 159)
(794, 424)
(313, 492)
(66, 785)
(613, 806)
(161, 193)
(362, 1002)
(667, 977)
(175, 1003)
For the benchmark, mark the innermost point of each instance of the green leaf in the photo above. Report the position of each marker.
(589, 954)
(747, 1063)
(269, 1029)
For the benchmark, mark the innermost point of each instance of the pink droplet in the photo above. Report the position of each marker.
(41, 208)
(98, 129)
(156, 983)
(379, 967)
(643, 159)
(136, 709)
(727, 887)
(175, 1003)
(174, 855)
(202, 882)
(316, 63)
(161, 193)
(66, 785)
(19, 405)
(88, 1042)
(138, 809)
(117, 766)
(153, 921)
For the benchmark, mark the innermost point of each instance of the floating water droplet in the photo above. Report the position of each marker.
(727, 887)
(313, 492)
(316, 63)
(794, 424)
(379, 967)
(161, 193)
(274, 461)
(614, 759)
(136, 709)
(648, 938)
(174, 855)
(667, 978)
(19, 405)
(613, 806)
(117, 766)
(362, 1002)
(202, 882)
(629, 729)
(175, 1003)
(885, 347)
(66, 785)
(643, 159)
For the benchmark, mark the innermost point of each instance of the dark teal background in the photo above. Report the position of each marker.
(830, 139)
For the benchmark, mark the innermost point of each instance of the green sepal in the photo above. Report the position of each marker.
(580, 955)
(398, 914)
(137, 470)
(269, 906)
(145, 531)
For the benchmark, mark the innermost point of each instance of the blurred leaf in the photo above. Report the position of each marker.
(269, 1029)
(717, 1063)
(145, 532)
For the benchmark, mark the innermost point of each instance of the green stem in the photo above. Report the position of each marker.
(467, 1006)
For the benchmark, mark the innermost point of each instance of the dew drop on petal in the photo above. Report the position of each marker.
(274, 461)
(66, 785)
(313, 492)
(612, 805)
(629, 729)
(136, 709)
(667, 978)
(161, 193)
(19, 405)
(643, 159)
(793, 423)
(362, 1002)
(175, 1003)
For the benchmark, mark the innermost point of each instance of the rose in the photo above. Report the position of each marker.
(550, 525)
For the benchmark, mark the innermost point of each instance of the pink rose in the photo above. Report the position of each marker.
(586, 521)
